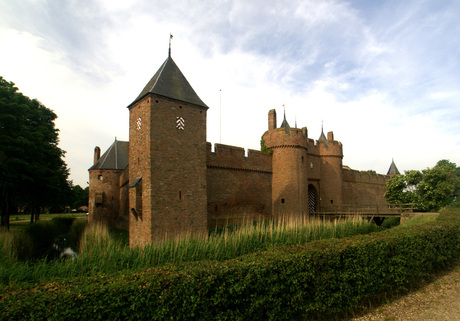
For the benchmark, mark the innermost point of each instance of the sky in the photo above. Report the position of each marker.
(382, 75)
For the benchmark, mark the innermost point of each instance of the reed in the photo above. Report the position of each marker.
(100, 253)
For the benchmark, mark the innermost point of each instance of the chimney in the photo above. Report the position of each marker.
(271, 119)
(97, 154)
(330, 136)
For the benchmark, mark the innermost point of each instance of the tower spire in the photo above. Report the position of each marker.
(285, 124)
(170, 37)
(393, 170)
(322, 137)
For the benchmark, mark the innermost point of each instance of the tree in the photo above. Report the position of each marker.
(79, 196)
(429, 189)
(440, 185)
(32, 170)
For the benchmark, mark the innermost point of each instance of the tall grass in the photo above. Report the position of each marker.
(100, 253)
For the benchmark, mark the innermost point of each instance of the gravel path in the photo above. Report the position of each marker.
(438, 300)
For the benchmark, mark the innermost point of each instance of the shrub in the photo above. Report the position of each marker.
(284, 282)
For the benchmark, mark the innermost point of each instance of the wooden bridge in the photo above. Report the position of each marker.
(370, 212)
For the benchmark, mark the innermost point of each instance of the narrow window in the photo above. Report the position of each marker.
(282, 201)
(180, 195)
(332, 201)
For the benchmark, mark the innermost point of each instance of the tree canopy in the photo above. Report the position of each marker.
(429, 189)
(32, 170)
(79, 196)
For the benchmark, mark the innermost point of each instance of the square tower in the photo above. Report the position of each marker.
(167, 159)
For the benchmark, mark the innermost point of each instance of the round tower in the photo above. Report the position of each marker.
(331, 155)
(289, 165)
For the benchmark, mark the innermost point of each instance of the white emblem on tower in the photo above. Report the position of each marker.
(180, 123)
(139, 123)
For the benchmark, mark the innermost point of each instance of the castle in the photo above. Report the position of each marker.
(168, 181)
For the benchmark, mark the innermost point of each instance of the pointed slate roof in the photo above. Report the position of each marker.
(393, 169)
(169, 82)
(116, 157)
(322, 138)
(285, 124)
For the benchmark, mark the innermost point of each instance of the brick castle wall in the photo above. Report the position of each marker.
(104, 196)
(238, 187)
(363, 188)
(123, 217)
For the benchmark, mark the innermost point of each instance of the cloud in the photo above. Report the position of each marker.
(382, 75)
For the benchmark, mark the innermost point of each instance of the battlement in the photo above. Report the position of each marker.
(355, 176)
(331, 148)
(278, 137)
(234, 158)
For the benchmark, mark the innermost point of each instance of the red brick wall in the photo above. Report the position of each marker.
(123, 217)
(363, 188)
(107, 183)
(139, 166)
(238, 187)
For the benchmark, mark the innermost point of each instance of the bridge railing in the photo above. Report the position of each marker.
(374, 210)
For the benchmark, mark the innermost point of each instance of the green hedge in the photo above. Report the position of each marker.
(285, 283)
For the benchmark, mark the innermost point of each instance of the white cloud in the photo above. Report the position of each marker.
(382, 76)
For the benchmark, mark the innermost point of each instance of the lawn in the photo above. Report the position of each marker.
(21, 221)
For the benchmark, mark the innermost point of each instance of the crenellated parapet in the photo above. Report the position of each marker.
(234, 158)
(280, 138)
(364, 177)
(330, 147)
(363, 188)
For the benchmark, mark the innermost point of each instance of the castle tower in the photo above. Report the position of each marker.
(331, 155)
(167, 159)
(289, 161)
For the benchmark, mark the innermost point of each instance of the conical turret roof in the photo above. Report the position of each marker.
(322, 138)
(393, 170)
(169, 82)
(285, 124)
